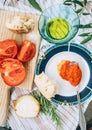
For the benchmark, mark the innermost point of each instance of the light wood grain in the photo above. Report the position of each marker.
(4, 103)
(30, 66)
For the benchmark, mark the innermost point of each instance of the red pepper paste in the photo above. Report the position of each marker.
(70, 72)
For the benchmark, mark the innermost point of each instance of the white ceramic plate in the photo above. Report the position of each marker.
(72, 52)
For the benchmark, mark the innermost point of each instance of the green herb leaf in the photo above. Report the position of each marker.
(5, 128)
(85, 2)
(35, 5)
(85, 34)
(75, 2)
(86, 13)
(86, 40)
(4, 2)
(47, 108)
(78, 2)
(79, 10)
(89, 25)
(68, 2)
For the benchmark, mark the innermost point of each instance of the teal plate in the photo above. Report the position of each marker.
(68, 51)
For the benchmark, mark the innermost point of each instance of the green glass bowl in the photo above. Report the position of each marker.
(59, 11)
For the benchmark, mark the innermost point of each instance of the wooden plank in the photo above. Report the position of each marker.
(30, 66)
(7, 34)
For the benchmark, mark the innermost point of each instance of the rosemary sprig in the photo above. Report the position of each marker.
(47, 108)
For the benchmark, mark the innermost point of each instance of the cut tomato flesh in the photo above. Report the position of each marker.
(15, 77)
(27, 51)
(8, 48)
(12, 71)
(9, 64)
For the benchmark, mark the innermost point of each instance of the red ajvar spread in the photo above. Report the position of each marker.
(70, 72)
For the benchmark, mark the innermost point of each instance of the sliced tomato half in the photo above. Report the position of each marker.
(9, 64)
(27, 51)
(13, 72)
(8, 49)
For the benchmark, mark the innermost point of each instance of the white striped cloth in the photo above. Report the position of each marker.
(69, 114)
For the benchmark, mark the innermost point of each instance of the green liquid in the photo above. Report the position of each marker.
(57, 28)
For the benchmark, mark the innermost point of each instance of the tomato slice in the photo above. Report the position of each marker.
(8, 49)
(13, 72)
(27, 51)
(9, 64)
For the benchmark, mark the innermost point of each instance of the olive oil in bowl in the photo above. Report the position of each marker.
(57, 28)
